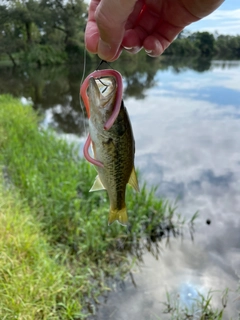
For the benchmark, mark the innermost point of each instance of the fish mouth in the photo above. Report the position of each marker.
(102, 93)
(106, 85)
(110, 93)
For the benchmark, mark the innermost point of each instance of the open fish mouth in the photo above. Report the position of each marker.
(98, 75)
(106, 85)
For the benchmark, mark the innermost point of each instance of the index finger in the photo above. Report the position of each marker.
(106, 26)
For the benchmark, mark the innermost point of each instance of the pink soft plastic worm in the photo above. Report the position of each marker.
(98, 74)
(116, 109)
(87, 155)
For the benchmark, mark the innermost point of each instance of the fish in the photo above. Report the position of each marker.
(113, 148)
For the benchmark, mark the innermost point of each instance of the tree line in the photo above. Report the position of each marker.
(48, 32)
(205, 44)
(42, 32)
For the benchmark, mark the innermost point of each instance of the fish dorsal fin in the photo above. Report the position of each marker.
(97, 185)
(133, 181)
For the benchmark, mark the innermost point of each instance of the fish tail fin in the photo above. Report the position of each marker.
(118, 215)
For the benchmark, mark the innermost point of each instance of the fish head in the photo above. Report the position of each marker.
(102, 95)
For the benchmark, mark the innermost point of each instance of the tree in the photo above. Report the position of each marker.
(68, 17)
(42, 31)
(204, 41)
(11, 39)
(29, 15)
(227, 46)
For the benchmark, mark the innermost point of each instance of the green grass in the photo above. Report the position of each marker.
(56, 183)
(201, 308)
(62, 229)
(32, 284)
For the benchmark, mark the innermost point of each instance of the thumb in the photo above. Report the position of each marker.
(111, 17)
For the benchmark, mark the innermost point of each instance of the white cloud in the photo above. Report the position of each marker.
(227, 78)
(222, 21)
(224, 14)
(233, 28)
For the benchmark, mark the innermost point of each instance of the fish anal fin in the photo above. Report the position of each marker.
(133, 181)
(118, 215)
(97, 185)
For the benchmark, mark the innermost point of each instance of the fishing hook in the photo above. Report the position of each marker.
(106, 85)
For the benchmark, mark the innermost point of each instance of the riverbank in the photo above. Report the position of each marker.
(32, 284)
(78, 249)
(58, 255)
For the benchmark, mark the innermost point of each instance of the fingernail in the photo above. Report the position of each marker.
(148, 51)
(128, 48)
(103, 49)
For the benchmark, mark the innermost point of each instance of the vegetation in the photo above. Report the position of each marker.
(42, 32)
(205, 44)
(200, 308)
(51, 218)
(49, 32)
(32, 284)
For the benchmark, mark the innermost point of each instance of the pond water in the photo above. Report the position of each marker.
(186, 123)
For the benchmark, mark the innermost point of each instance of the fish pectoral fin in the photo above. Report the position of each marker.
(97, 185)
(133, 181)
(118, 215)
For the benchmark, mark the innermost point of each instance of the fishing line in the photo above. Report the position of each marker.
(99, 79)
(101, 62)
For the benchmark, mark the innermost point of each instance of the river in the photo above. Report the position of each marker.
(186, 123)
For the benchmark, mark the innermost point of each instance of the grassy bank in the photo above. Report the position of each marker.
(57, 252)
(32, 284)
(54, 183)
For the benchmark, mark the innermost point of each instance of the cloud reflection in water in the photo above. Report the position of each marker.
(187, 132)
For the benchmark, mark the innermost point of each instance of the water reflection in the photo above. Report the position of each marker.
(54, 91)
(192, 151)
(187, 127)
(184, 269)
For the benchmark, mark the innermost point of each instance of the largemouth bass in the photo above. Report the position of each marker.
(113, 148)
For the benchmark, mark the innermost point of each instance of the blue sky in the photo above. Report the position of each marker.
(225, 20)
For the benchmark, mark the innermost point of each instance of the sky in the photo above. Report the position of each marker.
(225, 20)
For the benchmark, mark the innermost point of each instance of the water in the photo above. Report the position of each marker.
(186, 125)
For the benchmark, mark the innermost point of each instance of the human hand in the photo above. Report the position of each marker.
(132, 24)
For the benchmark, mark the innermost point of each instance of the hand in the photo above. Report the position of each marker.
(132, 24)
